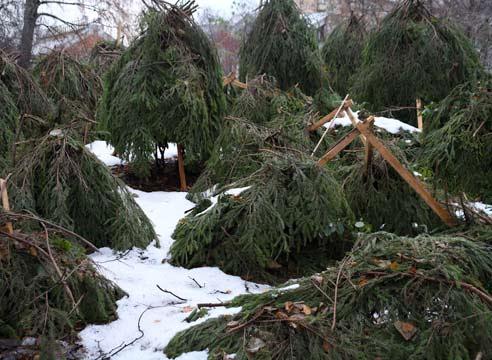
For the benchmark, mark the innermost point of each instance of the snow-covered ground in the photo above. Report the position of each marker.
(160, 315)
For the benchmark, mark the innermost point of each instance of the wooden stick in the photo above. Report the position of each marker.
(329, 117)
(369, 152)
(354, 122)
(231, 79)
(181, 168)
(339, 146)
(420, 118)
(6, 204)
(442, 212)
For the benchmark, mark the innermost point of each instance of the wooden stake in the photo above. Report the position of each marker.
(354, 122)
(329, 117)
(420, 118)
(440, 210)
(182, 174)
(339, 146)
(6, 204)
(369, 151)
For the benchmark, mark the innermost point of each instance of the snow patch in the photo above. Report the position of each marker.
(215, 199)
(138, 272)
(392, 126)
(104, 152)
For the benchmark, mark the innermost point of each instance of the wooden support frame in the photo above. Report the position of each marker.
(231, 79)
(181, 168)
(420, 118)
(6, 204)
(364, 129)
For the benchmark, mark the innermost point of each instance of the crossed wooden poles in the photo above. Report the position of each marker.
(371, 142)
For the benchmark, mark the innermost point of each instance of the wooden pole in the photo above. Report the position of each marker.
(354, 122)
(440, 210)
(420, 119)
(6, 204)
(369, 152)
(339, 146)
(329, 117)
(181, 168)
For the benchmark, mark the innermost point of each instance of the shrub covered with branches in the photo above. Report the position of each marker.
(74, 87)
(166, 87)
(282, 44)
(380, 197)
(391, 297)
(60, 180)
(413, 55)
(9, 116)
(458, 141)
(291, 217)
(342, 53)
(48, 287)
(262, 118)
(28, 96)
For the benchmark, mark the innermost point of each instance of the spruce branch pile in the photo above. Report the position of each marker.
(48, 286)
(74, 87)
(342, 53)
(104, 54)
(392, 297)
(292, 217)
(166, 87)
(458, 143)
(9, 117)
(282, 44)
(262, 117)
(413, 55)
(60, 180)
(381, 198)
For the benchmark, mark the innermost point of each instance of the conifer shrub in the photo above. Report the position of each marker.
(74, 87)
(391, 297)
(49, 288)
(342, 53)
(413, 55)
(29, 98)
(9, 116)
(290, 218)
(282, 44)
(60, 180)
(457, 142)
(381, 198)
(166, 87)
(104, 54)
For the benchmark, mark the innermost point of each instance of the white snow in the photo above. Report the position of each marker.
(104, 152)
(139, 272)
(215, 199)
(392, 126)
(487, 209)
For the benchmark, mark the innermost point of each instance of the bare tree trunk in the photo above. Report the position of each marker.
(30, 18)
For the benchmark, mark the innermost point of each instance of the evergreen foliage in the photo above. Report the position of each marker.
(458, 141)
(166, 87)
(282, 44)
(104, 54)
(60, 180)
(342, 53)
(292, 217)
(43, 275)
(74, 87)
(413, 55)
(381, 198)
(29, 97)
(8, 124)
(433, 291)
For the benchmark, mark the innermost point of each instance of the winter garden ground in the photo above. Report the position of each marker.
(148, 317)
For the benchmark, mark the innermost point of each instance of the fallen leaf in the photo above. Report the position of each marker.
(157, 321)
(306, 310)
(273, 265)
(254, 345)
(394, 266)
(362, 281)
(33, 251)
(327, 346)
(187, 309)
(288, 306)
(233, 324)
(406, 329)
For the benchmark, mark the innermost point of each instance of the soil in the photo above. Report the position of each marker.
(163, 176)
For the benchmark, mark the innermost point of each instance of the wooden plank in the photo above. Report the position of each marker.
(6, 204)
(339, 146)
(420, 118)
(329, 117)
(440, 210)
(354, 122)
(181, 168)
